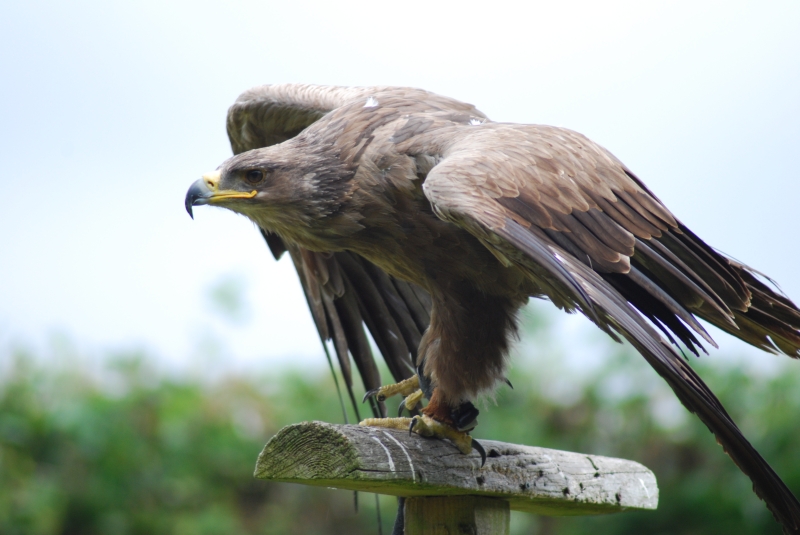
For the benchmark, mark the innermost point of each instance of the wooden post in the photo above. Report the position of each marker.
(443, 515)
(450, 492)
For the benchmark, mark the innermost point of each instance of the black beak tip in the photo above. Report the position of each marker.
(189, 201)
(194, 195)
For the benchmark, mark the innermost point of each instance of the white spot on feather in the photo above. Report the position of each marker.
(475, 121)
(371, 102)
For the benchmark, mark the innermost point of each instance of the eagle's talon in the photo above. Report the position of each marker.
(370, 393)
(425, 426)
(479, 448)
(406, 387)
(410, 401)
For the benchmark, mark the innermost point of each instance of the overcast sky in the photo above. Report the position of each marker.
(110, 110)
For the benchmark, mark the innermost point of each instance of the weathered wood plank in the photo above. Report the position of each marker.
(535, 480)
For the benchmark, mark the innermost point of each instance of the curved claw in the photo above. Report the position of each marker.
(506, 381)
(411, 425)
(369, 394)
(479, 448)
(401, 407)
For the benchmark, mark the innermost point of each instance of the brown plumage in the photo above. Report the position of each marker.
(414, 214)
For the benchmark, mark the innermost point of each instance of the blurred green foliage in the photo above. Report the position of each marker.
(125, 450)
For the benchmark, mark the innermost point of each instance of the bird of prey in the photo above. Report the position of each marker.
(417, 216)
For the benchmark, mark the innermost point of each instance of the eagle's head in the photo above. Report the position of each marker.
(282, 188)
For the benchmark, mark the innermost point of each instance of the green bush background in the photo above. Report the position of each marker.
(117, 447)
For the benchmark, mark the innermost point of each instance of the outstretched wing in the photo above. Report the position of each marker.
(576, 195)
(270, 114)
(582, 227)
(344, 291)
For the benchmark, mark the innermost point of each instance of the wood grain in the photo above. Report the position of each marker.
(530, 479)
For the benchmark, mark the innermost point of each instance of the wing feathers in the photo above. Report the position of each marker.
(635, 201)
(417, 301)
(620, 209)
(712, 267)
(656, 291)
(544, 259)
(275, 244)
(649, 202)
(654, 310)
(607, 230)
(530, 210)
(772, 321)
(344, 293)
(681, 285)
(678, 263)
(578, 196)
(635, 224)
(398, 308)
(270, 114)
(376, 315)
(349, 313)
(339, 343)
(613, 312)
(591, 244)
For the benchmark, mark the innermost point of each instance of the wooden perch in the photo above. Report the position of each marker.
(524, 478)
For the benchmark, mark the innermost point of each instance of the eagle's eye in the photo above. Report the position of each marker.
(254, 176)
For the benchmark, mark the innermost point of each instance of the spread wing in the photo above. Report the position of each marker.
(575, 195)
(582, 227)
(345, 293)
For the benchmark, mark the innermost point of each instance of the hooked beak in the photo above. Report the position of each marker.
(198, 194)
(206, 190)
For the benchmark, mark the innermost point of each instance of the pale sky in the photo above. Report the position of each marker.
(110, 110)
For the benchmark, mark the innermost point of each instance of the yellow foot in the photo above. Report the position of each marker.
(428, 427)
(405, 387)
(410, 402)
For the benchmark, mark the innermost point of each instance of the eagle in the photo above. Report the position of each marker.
(416, 216)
